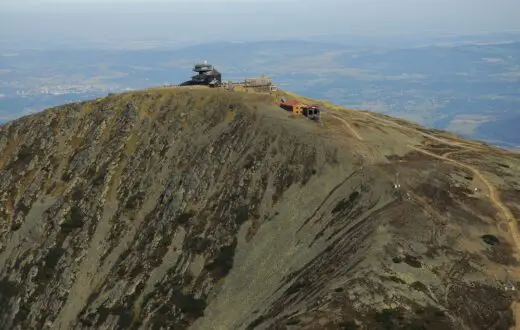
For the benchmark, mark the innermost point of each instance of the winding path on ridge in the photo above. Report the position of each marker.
(350, 128)
(494, 195)
(499, 204)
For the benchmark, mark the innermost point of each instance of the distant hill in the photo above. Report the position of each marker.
(432, 81)
(195, 208)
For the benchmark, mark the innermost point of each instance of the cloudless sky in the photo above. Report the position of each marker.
(207, 20)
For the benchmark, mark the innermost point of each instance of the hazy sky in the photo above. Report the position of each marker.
(205, 20)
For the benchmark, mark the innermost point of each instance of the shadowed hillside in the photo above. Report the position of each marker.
(193, 208)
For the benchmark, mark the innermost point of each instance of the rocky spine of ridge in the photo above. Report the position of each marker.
(194, 208)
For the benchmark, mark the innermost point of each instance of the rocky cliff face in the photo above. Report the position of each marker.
(208, 209)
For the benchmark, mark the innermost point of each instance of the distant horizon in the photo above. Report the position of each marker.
(93, 22)
(399, 39)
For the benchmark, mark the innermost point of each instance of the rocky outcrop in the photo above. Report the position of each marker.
(208, 209)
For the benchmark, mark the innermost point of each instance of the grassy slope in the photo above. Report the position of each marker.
(328, 241)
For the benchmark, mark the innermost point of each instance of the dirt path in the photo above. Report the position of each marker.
(493, 194)
(497, 202)
(438, 139)
(450, 153)
(350, 128)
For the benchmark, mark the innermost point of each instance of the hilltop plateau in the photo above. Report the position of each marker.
(196, 208)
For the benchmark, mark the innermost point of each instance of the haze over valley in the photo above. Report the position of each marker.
(467, 84)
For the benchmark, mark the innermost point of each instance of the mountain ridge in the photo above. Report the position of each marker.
(196, 208)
